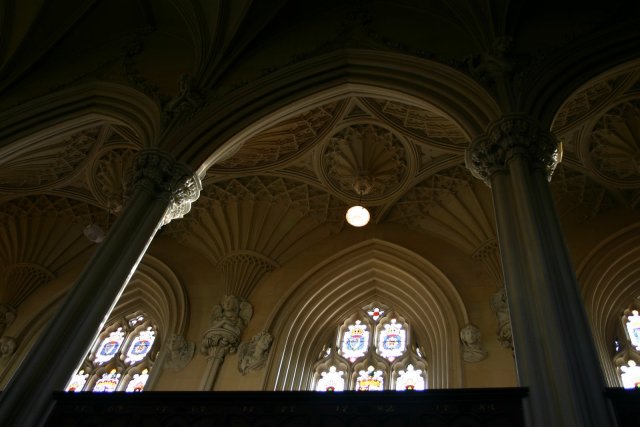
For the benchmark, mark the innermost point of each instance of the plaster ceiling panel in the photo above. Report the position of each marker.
(426, 126)
(366, 161)
(584, 103)
(49, 163)
(107, 175)
(272, 216)
(450, 203)
(282, 142)
(614, 148)
(578, 197)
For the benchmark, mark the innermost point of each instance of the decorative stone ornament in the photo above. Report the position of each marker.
(227, 321)
(253, 354)
(7, 348)
(501, 309)
(513, 136)
(180, 353)
(472, 349)
(7, 316)
(156, 171)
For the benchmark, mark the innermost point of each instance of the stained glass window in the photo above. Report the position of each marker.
(392, 341)
(140, 346)
(109, 346)
(331, 380)
(373, 352)
(77, 382)
(633, 327)
(411, 379)
(108, 382)
(630, 375)
(124, 350)
(370, 380)
(375, 313)
(355, 341)
(138, 381)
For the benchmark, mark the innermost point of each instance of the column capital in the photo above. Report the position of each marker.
(158, 172)
(514, 135)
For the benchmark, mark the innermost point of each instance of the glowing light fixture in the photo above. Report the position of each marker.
(358, 216)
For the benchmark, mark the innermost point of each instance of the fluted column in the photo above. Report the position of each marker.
(160, 190)
(555, 353)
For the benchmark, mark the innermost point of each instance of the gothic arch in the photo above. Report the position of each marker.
(294, 88)
(353, 278)
(560, 75)
(610, 279)
(79, 107)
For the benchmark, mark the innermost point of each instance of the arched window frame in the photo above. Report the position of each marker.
(333, 356)
(627, 355)
(94, 369)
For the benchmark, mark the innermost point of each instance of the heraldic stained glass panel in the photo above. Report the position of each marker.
(331, 380)
(120, 360)
(373, 354)
(633, 328)
(410, 379)
(370, 380)
(355, 341)
(392, 341)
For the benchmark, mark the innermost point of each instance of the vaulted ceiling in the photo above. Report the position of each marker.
(288, 185)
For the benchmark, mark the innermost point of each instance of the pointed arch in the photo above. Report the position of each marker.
(610, 279)
(346, 72)
(79, 107)
(372, 270)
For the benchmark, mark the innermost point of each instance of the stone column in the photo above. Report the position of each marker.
(161, 190)
(554, 348)
(227, 322)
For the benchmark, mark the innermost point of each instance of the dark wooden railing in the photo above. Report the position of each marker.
(434, 408)
(495, 407)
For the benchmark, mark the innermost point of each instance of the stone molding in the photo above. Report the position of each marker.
(157, 172)
(515, 135)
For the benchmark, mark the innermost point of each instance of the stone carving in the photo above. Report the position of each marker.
(227, 321)
(187, 102)
(107, 180)
(285, 209)
(429, 125)
(586, 100)
(156, 171)
(578, 197)
(7, 316)
(243, 270)
(501, 310)
(253, 354)
(508, 137)
(472, 350)
(284, 140)
(48, 163)
(179, 354)
(7, 348)
(23, 279)
(182, 198)
(365, 152)
(616, 157)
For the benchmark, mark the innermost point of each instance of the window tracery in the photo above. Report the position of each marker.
(627, 357)
(373, 350)
(120, 359)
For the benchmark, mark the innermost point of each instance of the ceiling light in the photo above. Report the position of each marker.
(358, 216)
